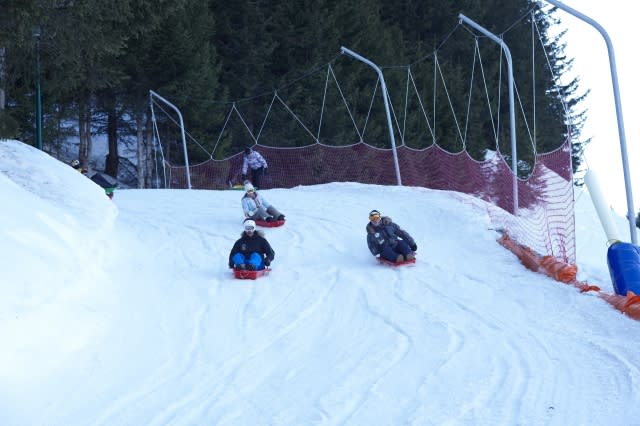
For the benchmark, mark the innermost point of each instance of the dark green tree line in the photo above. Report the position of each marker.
(100, 59)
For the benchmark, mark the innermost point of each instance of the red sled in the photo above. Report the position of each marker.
(395, 264)
(272, 224)
(243, 274)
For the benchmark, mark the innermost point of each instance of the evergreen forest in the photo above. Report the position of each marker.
(95, 62)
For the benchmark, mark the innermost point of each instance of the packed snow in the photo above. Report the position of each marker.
(124, 312)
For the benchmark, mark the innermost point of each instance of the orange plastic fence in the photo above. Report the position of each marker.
(564, 273)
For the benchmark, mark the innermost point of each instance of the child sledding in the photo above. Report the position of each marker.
(252, 254)
(258, 209)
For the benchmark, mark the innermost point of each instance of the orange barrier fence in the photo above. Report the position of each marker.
(564, 273)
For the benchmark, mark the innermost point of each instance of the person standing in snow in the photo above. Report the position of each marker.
(252, 251)
(258, 165)
(388, 239)
(256, 207)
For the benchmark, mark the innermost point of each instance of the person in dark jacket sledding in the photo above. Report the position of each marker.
(388, 239)
(252, 251)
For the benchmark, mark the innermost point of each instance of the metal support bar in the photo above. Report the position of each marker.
(512, 114)
(385, 96)
(184, 140)
(616, 95)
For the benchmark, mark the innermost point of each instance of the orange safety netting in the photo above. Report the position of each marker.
(565, 273)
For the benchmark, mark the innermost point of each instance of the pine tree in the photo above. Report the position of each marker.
(99, 61)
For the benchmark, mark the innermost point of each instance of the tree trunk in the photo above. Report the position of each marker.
(2, 78)
(111, 163)
(83, 133)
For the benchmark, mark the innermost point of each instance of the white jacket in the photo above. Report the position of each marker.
(253, 160)
(250, 205)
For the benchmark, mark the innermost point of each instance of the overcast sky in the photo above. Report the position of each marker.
(587, 46)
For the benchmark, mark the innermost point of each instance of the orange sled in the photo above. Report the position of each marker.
(272, 224)
(243, 274)
(395, 264)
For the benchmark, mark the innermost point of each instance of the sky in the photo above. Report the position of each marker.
(124, 312)
(591, 65)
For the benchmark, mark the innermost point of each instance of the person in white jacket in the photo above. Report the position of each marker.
(256, 162)
(255, 206)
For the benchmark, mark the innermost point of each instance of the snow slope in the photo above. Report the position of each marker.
(123, 312)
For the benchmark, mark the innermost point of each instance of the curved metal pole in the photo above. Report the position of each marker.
(36, 35)
(184, 140)
(616, 96)
(155, 129)
(385, 96)
(512, 113)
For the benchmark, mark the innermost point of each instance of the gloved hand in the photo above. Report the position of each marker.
(267, 262)
(231, 266)
(414, 247)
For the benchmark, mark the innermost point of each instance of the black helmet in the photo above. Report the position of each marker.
(247, 151)
(75, 164)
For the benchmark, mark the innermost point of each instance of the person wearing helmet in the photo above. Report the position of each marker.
(76, 165)
(256, 162)
(388, 240)
(107, 183)
(252, 251)
(256, 207)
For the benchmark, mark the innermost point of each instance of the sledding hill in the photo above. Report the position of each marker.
(153, 329)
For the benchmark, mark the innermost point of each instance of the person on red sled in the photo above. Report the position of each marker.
(388, 239)
(252, 251)
(255, 206)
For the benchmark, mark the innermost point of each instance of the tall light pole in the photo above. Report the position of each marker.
(618, 104)
(385, 98)
(36, 36)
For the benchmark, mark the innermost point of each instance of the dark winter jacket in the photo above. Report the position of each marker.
(104, 181)
(249, 244)
(386, 232)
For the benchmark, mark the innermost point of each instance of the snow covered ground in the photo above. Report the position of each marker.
(124, 312)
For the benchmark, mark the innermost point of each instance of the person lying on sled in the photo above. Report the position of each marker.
(252, 251)
(256, 207)
(388, 239)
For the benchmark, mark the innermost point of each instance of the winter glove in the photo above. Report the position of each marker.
(267, 262)
(414, 247)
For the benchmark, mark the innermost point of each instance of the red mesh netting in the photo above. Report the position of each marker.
(544, 220)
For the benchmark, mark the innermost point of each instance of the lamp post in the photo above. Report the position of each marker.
(618, 104)
(36, 36)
